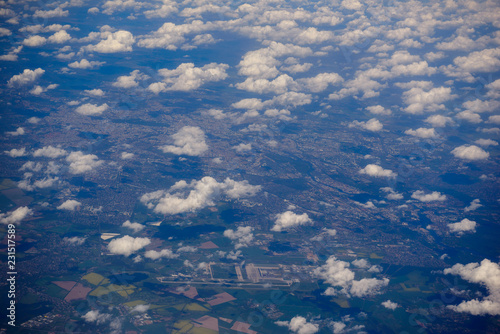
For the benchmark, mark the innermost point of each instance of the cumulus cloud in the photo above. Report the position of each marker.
(16, 216)
(90, 109)
(129, 81)
(74, 241)
(50, 152)
(119, 41)
(189, 140)
(189, 197)
(59, 37)
(423, 197)
(15, 153)
(82, 163)
(420, 100)
(69, 205)
(299, 325)
(390, 305)
(424, 133)
(28, 76)
(243, 147)
(127, 155)
(34, 41)
(48, 14)
(37, 90)
(19, 132)
(439, 120)
(470, 152)
(164, 253)
(289, 219)
(337, 274)
(486, 142)
(487, 274)
(378, 110)
(391, 194)
(136, 227)
(377, 171)
(475, 204)
(187, 77)
(127, 245)
(95, 92)
(242, 237)
(84, 64)
(370, 125)
(465, 225)
(480, 61)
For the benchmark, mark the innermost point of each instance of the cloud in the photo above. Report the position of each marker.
(391, 194)
(390, 305)
(59, 37)
(371, 125)
(465, 225)
(485, 61)
(242, 147)
(136, 227)
(89, 109)
(377, 171)
(189, 197)
(129, 81)
(438, 120)
(12, 55)
(74, 241)
(378, 110)
(28, 76)
(119, 41)
(187, 77)
(367, 287)
(84, 64)
(424, 133)
(420, 100)
(82, 163)
(16, 216)
(127, 155)
(50, 152)
(97, 317)
(127, 245)
(48, 14)
(475, 204)
(487, 274)
(94, 92)
(299, 325)
(242, 237)
(189, 140)
(486, 142)
(361, 263)
(423, 197)
(470, 152)
(164, 253)
(289, 219)
(15, 153)
(69, 205)
(19, 132)
(34, 41)
(37, 90)
(142, 308)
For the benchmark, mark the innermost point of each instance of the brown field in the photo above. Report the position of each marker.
(78, 292)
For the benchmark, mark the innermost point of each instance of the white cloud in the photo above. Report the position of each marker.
(97, 317)
(465, 225)
(136, 227)
(242, 237)
(377, 171)
(422, 133)
(12, 55)
(361, 263)
(37, 90)
(470, 152)
(89, 109)
(59, 37)
(15, 153)
(48, 14)
(370, 125)
(486, 273)
(495, 119)
(480, 61)
(187, 77)
(50, 152)
(475, 204)
(289, 219)
(423, 197)
(391, 194)
(420, 100)
(84, 64)
(16, 216)
(243, 147)
(390, 305)
(142, 308)
(94, 92)
(164, 253)
(486, 142)
(119, 41)
(299, 325)
(320, 82)
(189, 140)
(126, 155)
(28, 76)
(69, 205)
(74, 241)
(127, 245)
(82, 163)
(438, 120)
(469, 117)
(188, 197)
(129, 81)
(34, 41)
(378, 110)
(19, 132)
(367, 287)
